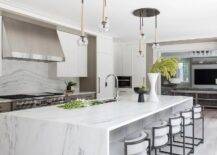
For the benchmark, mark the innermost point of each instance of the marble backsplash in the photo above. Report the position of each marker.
(21, 77)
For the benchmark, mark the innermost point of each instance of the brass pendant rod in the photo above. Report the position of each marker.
(104, 10)
(156, 29)
(82, 17)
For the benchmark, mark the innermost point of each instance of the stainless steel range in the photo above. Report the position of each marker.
(25, 101)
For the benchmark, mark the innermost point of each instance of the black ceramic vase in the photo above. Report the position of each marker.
(140, 93)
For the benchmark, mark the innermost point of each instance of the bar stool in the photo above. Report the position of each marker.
(160, 136)
(175, 123)
(137, 144)
(187, 116)
(197, 116)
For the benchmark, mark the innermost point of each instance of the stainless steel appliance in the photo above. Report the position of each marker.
(124, 81)
(25, 101)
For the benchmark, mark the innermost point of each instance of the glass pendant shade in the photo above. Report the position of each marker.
(83, 41)
(155, 46)
(141, 44)
(104, 26)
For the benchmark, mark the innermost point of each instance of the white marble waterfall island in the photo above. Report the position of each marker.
(89, 131)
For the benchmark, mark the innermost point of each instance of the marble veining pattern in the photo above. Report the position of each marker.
(55, 131)
(24, 77)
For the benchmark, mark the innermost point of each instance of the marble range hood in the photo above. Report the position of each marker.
(22, 40)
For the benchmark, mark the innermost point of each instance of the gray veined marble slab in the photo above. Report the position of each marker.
(55, 131)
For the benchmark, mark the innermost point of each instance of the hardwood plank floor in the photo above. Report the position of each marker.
(210, 145)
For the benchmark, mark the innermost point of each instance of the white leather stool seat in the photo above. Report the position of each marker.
(137, 148)
(176, 129)
(197, 115)
(187, 113)
(197, 108)
(175, 120)
(162, 131)
(160, 141)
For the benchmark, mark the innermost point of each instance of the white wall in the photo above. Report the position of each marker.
(188, 47)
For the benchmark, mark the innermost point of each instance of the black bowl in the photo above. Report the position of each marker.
(138, 90)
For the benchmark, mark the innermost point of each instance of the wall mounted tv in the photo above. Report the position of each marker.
(205, 76)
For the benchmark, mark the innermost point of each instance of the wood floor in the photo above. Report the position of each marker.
(210, 145)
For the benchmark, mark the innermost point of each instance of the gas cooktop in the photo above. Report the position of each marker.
(23, 96)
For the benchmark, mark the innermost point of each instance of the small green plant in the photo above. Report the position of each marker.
(69, 84)
(80, 103)
(143, 88)
(166, 66)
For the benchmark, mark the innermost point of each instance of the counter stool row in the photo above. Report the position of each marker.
(164, 135)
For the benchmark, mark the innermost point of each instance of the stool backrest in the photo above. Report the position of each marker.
(137, 145)
(160, 135)
(198, 112)
(186, 114)
(175, 123)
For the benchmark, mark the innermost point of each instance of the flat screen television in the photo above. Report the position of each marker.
(205, 76)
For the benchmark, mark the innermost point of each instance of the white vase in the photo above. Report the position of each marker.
(153, 80)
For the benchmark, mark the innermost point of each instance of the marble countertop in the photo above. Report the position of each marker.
(108, 116)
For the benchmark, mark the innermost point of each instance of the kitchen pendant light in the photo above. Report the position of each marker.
(83, 41)
(155, 44)
(104, 25)
(142, 35)
(141, 13)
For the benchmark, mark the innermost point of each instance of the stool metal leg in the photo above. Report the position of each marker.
(183, 127)
(193, 131)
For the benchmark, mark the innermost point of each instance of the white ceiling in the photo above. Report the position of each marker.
(179, 19)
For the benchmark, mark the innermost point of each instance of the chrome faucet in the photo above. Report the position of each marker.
(116, 84)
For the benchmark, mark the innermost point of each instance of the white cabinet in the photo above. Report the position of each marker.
(123, 59)
(128, 62)
(105, 66)
(139, 67)
(1, 46)
(75, 64)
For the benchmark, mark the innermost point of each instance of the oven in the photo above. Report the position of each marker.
(125, 81)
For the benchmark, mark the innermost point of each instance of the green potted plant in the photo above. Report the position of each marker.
(70, 86)
(167, 67)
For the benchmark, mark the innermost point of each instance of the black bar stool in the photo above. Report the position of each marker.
(198, 115)
(187, 116)
(159, 136)
(176, 128)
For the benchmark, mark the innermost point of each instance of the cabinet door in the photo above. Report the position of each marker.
(105, 66)
(118, 59)
(127, 60)
(1, 46)
(75, 64)
(139, 68)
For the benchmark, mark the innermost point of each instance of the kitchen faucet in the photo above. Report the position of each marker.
(116, 84)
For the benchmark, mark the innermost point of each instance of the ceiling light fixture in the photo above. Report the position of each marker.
(83, 41)
(155, 44)
(141, 13)
(104, 25)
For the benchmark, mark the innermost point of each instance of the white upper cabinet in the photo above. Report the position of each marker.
(75, 64)
(123, 59)
(128, 62)
(139, 67)
(1, 46)
(105, 66)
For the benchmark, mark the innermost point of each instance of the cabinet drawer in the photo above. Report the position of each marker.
(5, 107)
